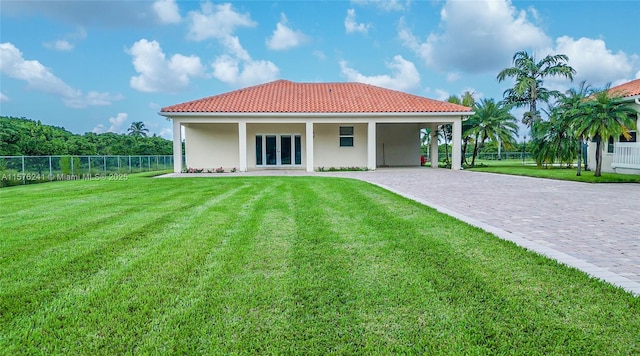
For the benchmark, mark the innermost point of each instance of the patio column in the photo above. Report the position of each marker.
(309, 146)
(242, 142)
(434, 145)
(456, 144)
(371, 145)
(177, 146)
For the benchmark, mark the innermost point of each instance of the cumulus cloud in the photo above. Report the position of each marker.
(352, 26)
(41, 78)
(3, 98)
(216, 21)
(477, 36)
(284, 37)
(319, 54)
(167, 11)
(404, 77)
(156, 73)
(237, 68)
(386, 5)
(115, 124)
(593, 61)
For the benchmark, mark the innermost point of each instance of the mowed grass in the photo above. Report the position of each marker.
(553, 172)
(281, 265)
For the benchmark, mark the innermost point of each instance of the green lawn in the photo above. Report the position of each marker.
(287, 265)
(515, 167)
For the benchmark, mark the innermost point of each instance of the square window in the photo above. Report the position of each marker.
(346, 141)
(346, 136)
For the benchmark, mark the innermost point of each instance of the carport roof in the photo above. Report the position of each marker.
(283, 96)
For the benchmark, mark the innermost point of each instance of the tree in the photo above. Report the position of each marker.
(604, 115)
(137, 129)
(571, 104)
(468, 125)
(493, 121)
(529, 81)
(554, 139)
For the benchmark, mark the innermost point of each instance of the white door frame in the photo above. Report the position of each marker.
(279, 150)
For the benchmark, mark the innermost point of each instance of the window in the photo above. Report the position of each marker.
(346, 136)
(610, 145)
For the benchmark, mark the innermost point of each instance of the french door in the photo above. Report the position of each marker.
(278, 150)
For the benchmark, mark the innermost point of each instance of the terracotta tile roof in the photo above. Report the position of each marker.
(627, 89)
(283, 96)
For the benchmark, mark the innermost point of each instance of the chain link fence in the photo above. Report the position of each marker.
(15, 170)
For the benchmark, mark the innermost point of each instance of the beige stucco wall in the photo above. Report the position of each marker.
(210, 146)
(277, 129)
(327, 150)
(397, 145)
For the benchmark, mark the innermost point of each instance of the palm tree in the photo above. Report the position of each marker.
(571, 104)
(602, 116)
(555, 138)
(138, 129)
(493, 121)
(529, 80)
(468, 125)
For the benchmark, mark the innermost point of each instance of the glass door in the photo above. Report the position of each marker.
(278, 150)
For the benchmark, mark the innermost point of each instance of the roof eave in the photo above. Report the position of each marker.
(169, 114)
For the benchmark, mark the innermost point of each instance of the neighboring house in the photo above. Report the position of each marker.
(621, 155)
(290, 125)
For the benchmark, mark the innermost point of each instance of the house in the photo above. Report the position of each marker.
(621, 155)
(283, 124)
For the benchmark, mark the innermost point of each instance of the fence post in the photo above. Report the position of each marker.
(129, 164)
(89, 160)
(50, 170)
(118, 164)
(72, 172)
(23, 177)
(104, 160)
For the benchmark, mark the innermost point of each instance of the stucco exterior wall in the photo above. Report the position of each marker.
(397, 145)
(275, 129)
(210, 146)
(607, 158)
(327, 150)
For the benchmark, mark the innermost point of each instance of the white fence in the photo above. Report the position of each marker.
(35, 169)
(626, 155)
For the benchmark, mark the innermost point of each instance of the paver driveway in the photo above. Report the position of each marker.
(593, 227)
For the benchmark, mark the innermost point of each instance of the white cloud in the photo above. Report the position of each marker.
(386, 5)
(284, 37)
(59, 45)
(157, 74)
(404, 77)
(4, 98)
(319, 54)
(478, 36)
(638, 75)
(352, 26)
(593, 61)
(441, 94)
(453, 76)
(237, 68)
(115, 124)
(216, 21)
(68, 43)
(41, 78)
(166, 133)
(167, 11)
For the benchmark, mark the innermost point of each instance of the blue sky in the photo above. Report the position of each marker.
(100, 65)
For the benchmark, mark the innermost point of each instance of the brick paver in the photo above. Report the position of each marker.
(592, 227)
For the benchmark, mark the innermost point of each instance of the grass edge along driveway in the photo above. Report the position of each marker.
(303, 265)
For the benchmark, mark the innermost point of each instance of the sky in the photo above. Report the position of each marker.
(97, 66)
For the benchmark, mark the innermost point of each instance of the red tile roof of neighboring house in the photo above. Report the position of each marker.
(283, 96)
(627, 89)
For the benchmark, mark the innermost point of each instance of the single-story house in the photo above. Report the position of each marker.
(621, 155)
(283, 124)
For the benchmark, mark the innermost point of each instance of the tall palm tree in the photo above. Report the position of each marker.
(138, 129)
(529, 81)
(602, 116)
(493, 121)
